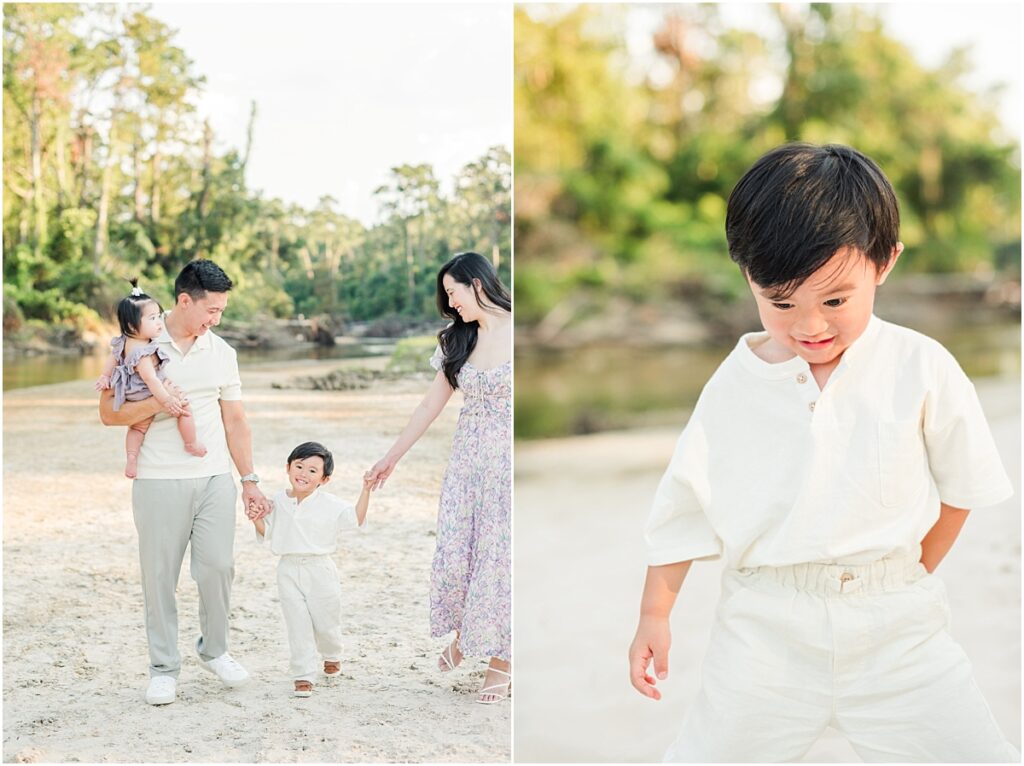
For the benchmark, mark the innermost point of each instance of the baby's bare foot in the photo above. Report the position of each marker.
(131, 467)
(195, 448)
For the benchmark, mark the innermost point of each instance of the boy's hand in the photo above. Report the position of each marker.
(102, 383)
(257, 505)
(652, 641)
(368, 483)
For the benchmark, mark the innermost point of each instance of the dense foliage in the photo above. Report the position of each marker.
(624, 161)
(109, 171)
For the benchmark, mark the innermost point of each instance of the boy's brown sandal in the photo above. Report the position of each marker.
(303, 689)
(332, 668)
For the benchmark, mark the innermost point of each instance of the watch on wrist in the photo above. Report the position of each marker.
(250, 477)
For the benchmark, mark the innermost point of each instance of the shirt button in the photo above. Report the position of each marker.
(811, 406)
(801, 378)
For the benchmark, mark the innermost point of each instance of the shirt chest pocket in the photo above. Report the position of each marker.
(901, 462)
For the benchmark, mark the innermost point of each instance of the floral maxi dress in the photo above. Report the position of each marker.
(470, 584)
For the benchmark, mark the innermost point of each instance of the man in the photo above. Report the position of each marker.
(178, 498)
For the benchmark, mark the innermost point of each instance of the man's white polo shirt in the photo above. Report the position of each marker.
(310, 527)
(772, 471)
(207, 374)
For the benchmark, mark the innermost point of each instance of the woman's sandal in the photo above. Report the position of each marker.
(447, 662)
(491, 691)
(303, 689)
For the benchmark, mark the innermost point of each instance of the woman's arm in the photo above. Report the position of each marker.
(426, 412)
(940, 538)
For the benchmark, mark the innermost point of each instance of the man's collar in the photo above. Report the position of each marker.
(200, 343)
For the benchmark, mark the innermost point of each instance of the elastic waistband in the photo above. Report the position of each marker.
(299, 558)
(891, 573)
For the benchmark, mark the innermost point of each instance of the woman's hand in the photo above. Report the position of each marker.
(380, 472)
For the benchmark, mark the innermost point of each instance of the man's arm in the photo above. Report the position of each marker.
(940, 538)
(130, 412)
(239, 438)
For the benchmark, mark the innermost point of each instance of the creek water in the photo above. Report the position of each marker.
(605, 386)
(43, 369)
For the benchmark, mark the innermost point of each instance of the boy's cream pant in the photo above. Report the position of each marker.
(864, 649)
(311, 602)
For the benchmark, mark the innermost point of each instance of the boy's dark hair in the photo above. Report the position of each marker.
(129, 309)
(313, 449)
(199, 277)
(799, 204)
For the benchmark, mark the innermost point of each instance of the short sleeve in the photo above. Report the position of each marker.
(677, 528)
(231, 381)
(437, 359)
(962, 455)
(347, 517)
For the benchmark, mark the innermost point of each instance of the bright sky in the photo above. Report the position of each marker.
(345, 92)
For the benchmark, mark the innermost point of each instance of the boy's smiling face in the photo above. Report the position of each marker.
(825, 314)
(305, 474)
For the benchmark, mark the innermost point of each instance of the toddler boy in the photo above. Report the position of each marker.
(832, 460)
(303, 530)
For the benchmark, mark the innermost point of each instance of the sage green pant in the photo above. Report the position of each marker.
(170, 514)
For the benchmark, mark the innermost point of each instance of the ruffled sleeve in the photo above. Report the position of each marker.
(150, 348)
(117, 347)
(437, 360)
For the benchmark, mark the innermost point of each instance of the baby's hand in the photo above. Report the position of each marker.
(102, 383)
(173, 406)
(368, 483)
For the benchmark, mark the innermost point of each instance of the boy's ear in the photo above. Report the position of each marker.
(324, 480)
(884, 273)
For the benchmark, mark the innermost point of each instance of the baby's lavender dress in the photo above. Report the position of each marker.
(470, 584)
(128, 385)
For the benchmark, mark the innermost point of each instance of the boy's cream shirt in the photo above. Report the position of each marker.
(308, 528)
(772, 471)
(207, 374)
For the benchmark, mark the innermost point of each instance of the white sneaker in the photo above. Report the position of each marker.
(227, 670)
(161, 690)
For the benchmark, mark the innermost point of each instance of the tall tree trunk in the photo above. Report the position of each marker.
(248, 138)
(409, 264)
(38, 209)
(140, 197)
(63, 184)
(154, 190)
(103, 214)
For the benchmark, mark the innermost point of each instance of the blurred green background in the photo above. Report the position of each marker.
(632, 125)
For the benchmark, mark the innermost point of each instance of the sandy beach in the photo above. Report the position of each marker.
(74, 648)
(580, 505)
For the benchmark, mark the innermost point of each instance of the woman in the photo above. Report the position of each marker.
(470, 588)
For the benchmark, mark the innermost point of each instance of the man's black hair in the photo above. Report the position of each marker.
(200, 277)
(313, 449)
(799, 204)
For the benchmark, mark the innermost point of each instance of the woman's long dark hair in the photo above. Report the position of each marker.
(459, 338)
